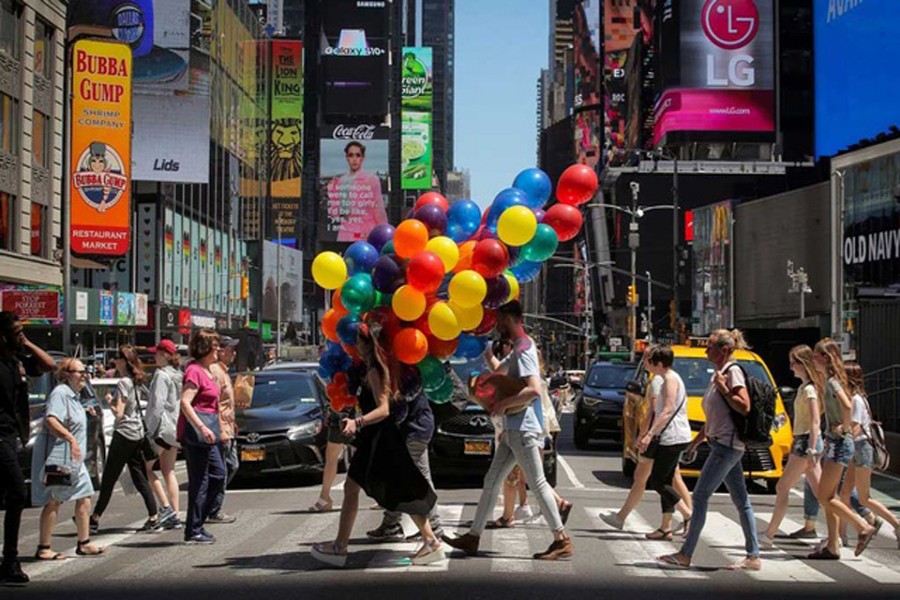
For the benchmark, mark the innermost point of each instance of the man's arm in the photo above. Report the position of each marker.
(41, 362)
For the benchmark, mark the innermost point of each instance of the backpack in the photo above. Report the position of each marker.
(755, 428)
(875, 435)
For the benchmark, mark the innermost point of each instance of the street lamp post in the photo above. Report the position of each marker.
(649, 307)
(799, 285)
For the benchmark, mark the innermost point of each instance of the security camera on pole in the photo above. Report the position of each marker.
(799, 285)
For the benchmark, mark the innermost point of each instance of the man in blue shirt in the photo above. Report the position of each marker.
(522, 438)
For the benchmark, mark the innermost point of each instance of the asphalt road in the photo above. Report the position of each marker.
(265, 554)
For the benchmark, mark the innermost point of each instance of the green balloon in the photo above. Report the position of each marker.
(388, 248)
(443, 393)
(433, 374)
(358, 294)
(542, 245)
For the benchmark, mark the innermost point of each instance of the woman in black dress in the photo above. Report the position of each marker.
(381, 465)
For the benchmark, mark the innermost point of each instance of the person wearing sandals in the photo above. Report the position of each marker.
(859, 473)
(199, 433)
(381, 464)
(18, 357)
(334, 448)
(727, 392)
(61, 443)
(839, 452)
(163, 408)
(807, 445)
(129, 446)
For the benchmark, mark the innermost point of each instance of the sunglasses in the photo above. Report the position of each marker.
(80, 372)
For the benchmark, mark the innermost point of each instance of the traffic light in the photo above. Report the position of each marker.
(632, 295)
(245, 287)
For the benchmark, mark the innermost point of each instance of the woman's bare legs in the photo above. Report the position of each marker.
(333, 453)
(167, 468)
(638, 487)
(349, 508)
(794, 469)
(835, 510)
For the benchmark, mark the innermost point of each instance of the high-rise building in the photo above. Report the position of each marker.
(459, 185)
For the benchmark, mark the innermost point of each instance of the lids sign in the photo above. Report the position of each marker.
(100, 180)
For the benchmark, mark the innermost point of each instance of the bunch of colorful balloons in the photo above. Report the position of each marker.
(435, 281)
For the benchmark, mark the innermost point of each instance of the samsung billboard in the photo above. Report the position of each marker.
(856, 97)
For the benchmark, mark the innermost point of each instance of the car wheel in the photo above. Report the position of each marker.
(628, 467)
(582, 439)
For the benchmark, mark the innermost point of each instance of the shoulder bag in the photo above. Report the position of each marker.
(59, 475)
(875, 435)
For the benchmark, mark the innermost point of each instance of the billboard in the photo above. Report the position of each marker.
(855, 98)
(100, 178)
(586, 42)
(282, 270)
(355, 57)
(354, 166)
(171, 138)
(35, 305)
(416, 106)
(285, 137)
(724, 78)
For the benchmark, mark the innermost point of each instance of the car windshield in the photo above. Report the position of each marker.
(285, 389)
(697, 372)
(609, 377)
(39, 388)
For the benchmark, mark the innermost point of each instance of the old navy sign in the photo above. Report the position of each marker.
(872, 247)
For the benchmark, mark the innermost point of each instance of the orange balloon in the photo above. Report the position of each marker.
(410, 238)
(442, 349)
(351, 351)
(329, 324)
(337, 305)
(465, 256)
(410, 346)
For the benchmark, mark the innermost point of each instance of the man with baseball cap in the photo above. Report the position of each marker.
(221, 373)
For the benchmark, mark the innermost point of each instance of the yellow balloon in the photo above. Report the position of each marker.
(446, 249)
(513, 286)
(329, 270)
(517, 225)
(468, 288)
(469, 318)
(443, 322)
(408, 303)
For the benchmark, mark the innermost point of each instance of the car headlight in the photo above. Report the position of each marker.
(588, 401)
(305, 430)
(780, 421)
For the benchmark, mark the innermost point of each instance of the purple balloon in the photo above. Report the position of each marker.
(539, 214)
(434, 219)
(497, 292)
(381, 235)
(387, 274)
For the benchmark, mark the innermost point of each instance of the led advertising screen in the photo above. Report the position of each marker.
(856, 97)
(726, 69)
(353, 163)
(586, 26)
(416, 106)
(354, 49)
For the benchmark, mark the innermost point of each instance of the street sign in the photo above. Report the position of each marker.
(615, 341)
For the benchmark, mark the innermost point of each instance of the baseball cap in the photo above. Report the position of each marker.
(165, 346)
(226, 341)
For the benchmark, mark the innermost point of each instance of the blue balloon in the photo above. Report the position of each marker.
(348, 328)
(471, 346)
(463, 220)
(536, 185)
(505, 199)
(360, 257)
(524, 272)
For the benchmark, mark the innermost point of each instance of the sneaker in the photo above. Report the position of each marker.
(207, 534)
(11, 573)
(765, 542)
(150, 526)
(328, 554)
(387, 533)
(804, 534)
(166, 513)
(468, 543)
(221, 518)
(523, 513)
(172, 523)
(557, 550)
(200, 538)
(612, 519)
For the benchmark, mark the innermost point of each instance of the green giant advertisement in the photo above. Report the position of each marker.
(416, 118)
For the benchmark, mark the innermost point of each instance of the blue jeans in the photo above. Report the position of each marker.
(723, 465)
(811, 503)
(206, 478)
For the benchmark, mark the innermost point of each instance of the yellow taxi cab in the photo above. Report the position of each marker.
(694, 368)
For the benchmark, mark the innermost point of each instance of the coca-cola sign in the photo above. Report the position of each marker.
(354, 132)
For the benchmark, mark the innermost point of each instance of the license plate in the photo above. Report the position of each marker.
(253, 453)
(478, 447)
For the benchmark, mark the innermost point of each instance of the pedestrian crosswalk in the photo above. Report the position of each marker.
(267, 542)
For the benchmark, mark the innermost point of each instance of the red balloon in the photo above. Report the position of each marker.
(490, 258)
(565, 219)
(577, 185)
(432, 198)
(442, 349)
(425, 272)
(487, 323)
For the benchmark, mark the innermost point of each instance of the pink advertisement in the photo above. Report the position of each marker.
(714, 110)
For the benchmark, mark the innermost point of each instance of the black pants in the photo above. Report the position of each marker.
(229, 453)
(12, 484)
(664, 464)
(206, 480)
(123, 451)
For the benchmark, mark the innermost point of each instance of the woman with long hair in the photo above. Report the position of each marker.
(807, 446)
(838, 453)
(129, 444)
(859, 473)
(381, 464)
(163, 408)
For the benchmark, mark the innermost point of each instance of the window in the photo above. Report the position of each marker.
(9, 124)
(10, 28)
(7, 212)
(38, 224)
(43, 48)
(41, 147)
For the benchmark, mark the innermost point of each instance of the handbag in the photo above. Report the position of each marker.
(875, 434)
(653, 446)
(59, 475)
(192, 436)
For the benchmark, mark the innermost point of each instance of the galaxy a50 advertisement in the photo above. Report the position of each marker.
(856, 48)
(725, 79)
(354, 49)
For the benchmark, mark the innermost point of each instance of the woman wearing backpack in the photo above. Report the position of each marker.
(859, 473)
(838, 453)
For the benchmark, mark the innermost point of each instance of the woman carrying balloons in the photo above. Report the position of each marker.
(381, 465)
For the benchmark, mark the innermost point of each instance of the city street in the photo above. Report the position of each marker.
(265, 554)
